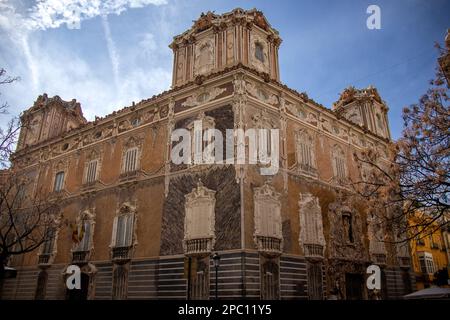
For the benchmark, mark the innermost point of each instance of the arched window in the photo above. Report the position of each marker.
(339, 163)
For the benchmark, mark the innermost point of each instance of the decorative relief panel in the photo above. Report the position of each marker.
(259, 53)
(346, 231)
(259, 93)
(202, 96)
(296, 109)
(204, 56)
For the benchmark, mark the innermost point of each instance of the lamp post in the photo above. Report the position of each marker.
(216, 260)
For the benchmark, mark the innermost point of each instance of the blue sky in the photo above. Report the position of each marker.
(120, 53)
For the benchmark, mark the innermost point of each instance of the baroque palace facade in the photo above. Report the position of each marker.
(151, 227)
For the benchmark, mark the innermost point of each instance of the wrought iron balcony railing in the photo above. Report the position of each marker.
(379, 258)
(44, 258)
(121, 253)
(80, 256)
(404, 262)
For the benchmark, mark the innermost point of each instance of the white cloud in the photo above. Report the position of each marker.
(53, 13)
(56, 69)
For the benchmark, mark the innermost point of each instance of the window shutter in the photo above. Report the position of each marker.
(114, 233)
(129, 230)
(86, 237)
(120, 231)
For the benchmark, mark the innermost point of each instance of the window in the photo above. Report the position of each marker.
(267, 214)
(199, 220)
(84, 244)
(124, 224)
(311, 226)
(91, 171)
(202, 137)
(339, 166)
(426, 262)
(305, 152)
(379, 122)
(47, 248)
(59, 181)
(130, 160)
(259, 52)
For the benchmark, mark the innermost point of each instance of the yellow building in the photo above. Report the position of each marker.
(429, 254)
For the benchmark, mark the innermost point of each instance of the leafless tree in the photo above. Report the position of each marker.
(28, 217)
(8, 134)
(416, 184)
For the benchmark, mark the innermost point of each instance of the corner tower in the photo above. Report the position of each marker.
(365, 108)
(215, 42)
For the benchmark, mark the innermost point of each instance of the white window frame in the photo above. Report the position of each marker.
(426, 262)
(126, 165)
(126, 220)
(58, 184)
(89, 176)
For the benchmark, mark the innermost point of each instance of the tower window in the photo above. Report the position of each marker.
(259, 52)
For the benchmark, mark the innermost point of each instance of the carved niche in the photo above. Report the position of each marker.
(259, 53)
(346, 231)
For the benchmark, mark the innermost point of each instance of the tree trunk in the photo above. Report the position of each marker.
(2, 272)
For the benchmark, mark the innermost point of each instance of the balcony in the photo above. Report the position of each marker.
(44, 259)
(379, 258)
(89, 186)
(129, 175)
(313, 250)
(198, 246)
(121, 254)
(307, 169)
(80, 257)
(269, 245)
(404, 262)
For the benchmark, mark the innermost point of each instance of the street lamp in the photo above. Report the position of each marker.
(216, 260)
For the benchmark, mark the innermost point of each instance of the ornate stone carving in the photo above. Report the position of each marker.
(296, 110)
(260, 62)
(346, 232)
(199, 222)
(204, 56)
(261, 94)
(203, 96)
